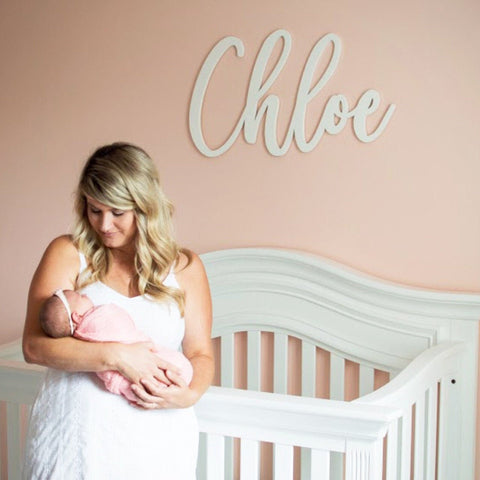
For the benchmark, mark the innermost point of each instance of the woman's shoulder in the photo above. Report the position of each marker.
(59, 265)
(189, 266)
(63, 251)
(62, 245)
(187, 260)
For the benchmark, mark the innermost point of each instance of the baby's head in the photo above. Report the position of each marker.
(61, 311)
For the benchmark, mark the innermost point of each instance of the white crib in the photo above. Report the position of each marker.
(275, 310)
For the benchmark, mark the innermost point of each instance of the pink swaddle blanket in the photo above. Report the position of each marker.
(110, 323)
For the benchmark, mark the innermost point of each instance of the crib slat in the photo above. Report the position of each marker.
(337, 377)
(283, 462)
(363, 462)
(14, 454)
(431, 431)
(308, 369)
(366, 380)
(442, 469)
(249, 459)
(337, 392)
(254, 360)
(227, 346)
(215, 457)
(419, 456)
(392, 452)
(406, 442)
(280, 359)
(227, 352)
(320, 464)
(309, 360)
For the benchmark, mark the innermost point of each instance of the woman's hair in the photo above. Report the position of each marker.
(123, 176)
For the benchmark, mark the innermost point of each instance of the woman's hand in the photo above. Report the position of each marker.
(176, 394)
(137, 361)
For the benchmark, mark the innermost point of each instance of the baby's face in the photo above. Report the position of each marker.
(78, 303)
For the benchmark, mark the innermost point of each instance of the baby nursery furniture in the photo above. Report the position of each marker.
(290, 322)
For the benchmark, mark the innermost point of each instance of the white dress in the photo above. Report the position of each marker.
(80, 431)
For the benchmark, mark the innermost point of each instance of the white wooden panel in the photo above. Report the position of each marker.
(215, 457)
(392, 465)
(406, 442)
(319, 464)
(280, 361)
(431, 432)
(227, 352)
(249, 459)
(308, 369)
(14, 455)
(283, 462)
(419, 455)
(254, 360)
(450, 435)
(337, 377)
(366, 380)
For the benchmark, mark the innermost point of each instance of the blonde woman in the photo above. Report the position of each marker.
(122, 251)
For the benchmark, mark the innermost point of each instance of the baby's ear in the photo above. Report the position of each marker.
(76, 318)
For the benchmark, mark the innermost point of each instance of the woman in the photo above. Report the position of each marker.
(122, 251)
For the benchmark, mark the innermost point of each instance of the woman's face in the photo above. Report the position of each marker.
(117, 228)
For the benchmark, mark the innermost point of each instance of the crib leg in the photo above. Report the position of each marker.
(364, 461)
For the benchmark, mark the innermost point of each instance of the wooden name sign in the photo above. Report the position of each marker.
(335, 116)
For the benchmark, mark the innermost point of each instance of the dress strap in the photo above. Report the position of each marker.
(171, 280)
(83, 262)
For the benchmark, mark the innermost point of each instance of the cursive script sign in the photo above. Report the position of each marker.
(335, 116)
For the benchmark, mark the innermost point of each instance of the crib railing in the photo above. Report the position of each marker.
(356, 430)
(371, 432)
(324, 426)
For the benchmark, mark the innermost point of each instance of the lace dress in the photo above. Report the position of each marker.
(80, 431)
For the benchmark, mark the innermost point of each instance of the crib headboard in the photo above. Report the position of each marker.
(356, 317)
(360, 317)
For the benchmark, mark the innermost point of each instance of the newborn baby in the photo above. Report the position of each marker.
(69, 313)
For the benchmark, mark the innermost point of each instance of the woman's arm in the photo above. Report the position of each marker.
(197, 344)
(59, 268)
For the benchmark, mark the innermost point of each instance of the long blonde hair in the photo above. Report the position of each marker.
(123, 176)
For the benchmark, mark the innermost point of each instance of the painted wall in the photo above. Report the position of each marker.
(405, 207)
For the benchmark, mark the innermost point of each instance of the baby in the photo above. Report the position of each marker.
(69, 313)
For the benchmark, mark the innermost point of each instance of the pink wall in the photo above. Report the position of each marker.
(78, 74)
